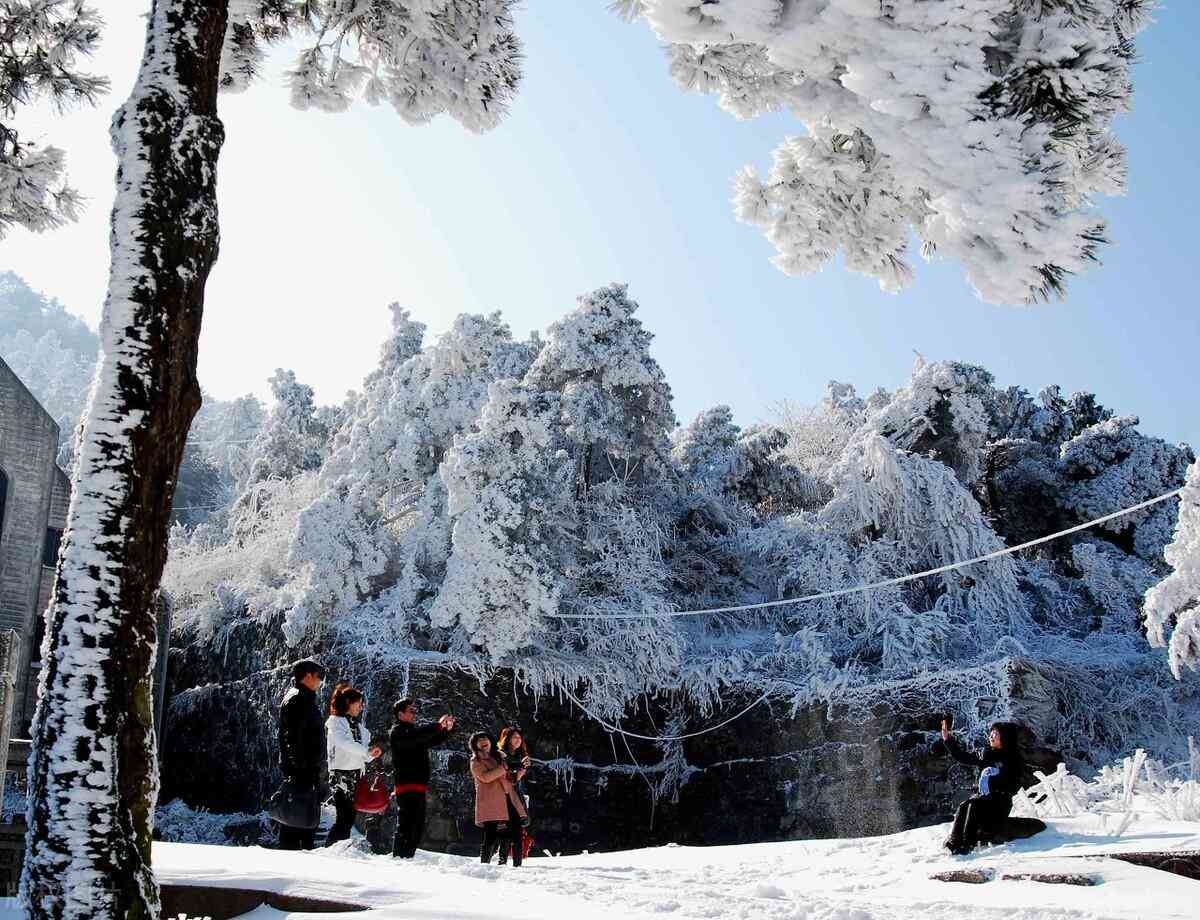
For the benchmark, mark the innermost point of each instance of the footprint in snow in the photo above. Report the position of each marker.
(769, 890)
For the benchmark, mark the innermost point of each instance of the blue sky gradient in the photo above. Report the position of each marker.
(604, 171)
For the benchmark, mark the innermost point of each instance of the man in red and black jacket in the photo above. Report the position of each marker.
(410, 768)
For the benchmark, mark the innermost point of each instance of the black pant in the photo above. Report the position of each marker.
(410, 824)
(980, 815)
(343, 801)
(503, 834)
(293, 838)
(514, 839)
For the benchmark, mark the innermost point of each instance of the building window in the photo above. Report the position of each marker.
(3, 498)
(50, 547)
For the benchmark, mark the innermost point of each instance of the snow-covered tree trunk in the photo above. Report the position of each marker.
(93, 776)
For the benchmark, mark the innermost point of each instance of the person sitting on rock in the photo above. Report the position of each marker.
(1001, 769)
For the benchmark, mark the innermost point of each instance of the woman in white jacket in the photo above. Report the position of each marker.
(349, 752)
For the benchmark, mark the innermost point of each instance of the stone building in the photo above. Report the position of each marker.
(34, 494)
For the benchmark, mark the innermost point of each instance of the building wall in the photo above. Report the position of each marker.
(60, 499)
(37, 502)
(28, 448)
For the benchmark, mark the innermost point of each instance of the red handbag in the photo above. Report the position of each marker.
(371, 795)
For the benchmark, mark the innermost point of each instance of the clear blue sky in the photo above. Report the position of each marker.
(605, 171)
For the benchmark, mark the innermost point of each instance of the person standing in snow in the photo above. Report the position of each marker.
(348, 753)
(498, 810)
(301, 743)
(515, 754)
(410, 745)
(1001, 769)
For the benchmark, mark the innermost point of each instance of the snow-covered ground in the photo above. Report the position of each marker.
(856, 879)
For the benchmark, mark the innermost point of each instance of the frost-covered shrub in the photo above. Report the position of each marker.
(216, 574)
(1110, 466)
(1118, 794)
(885, 496)
(1115, 583)
(818, 434)
(1174, 603)
(178, 823)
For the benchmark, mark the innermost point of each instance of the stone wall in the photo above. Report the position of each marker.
(840, 771)
(28, 448)
(38, 492)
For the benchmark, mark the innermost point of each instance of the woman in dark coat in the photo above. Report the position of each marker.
(516, 756)
(1001, 770)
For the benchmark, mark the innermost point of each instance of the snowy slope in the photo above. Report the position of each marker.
(854, 879)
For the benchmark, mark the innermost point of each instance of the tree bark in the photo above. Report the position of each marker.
(93, 771)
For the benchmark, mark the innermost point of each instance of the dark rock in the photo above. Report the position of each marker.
(1014, 829)
(970, 876)
(1052, 878)
(1181, 862)
(244, 833)
(218, 903)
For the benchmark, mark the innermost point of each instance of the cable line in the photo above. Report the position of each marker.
(861, 589)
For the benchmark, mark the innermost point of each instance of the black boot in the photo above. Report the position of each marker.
(503, 857)
(488, 848)
(956, 843)
(518, 851)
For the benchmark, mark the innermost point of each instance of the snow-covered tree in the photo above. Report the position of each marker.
(41, 43)
(381, 506)
(942, 413)
(715, 454)
(226, 430)
(1174, 603)
(1049, 419)
(983, 127)
(509, 492)
(292, 439)
(905, 513)
(91, 858)
(1110, 466)
(615, 400)
(704, 449)
(818, 434)
(88, 855)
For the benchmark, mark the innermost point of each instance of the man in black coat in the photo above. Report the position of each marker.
(301, 742)
(410, 767)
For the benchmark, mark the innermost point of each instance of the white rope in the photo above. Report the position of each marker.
(697, 734)
(860, 589)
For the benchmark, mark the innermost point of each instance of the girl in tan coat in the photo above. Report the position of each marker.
(499, 811)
